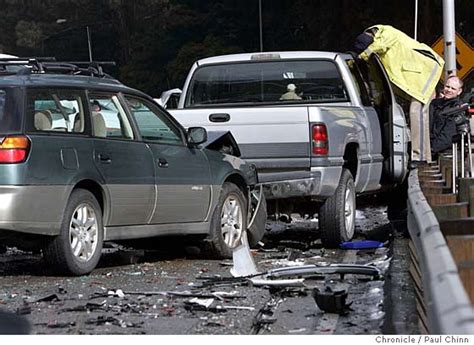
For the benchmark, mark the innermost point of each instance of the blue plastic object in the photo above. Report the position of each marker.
(361, 244)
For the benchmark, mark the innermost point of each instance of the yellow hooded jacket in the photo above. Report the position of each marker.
(412, 66)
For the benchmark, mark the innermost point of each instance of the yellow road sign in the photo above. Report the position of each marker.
(464, 55)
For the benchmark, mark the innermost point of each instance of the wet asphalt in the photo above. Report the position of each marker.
(167, 286)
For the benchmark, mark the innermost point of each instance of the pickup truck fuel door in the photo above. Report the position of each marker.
(392, 120)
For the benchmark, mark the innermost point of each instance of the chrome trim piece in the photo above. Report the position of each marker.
(144, 231)
(155, 203)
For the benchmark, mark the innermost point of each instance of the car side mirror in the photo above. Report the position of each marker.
(196, 136)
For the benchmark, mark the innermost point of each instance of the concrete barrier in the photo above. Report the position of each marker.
(447, 304)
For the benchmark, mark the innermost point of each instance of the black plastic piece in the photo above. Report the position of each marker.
(331, 301)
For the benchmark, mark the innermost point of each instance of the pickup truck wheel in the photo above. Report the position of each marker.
(77, 248)
(228, 221)
(337, 214)
(257, 230)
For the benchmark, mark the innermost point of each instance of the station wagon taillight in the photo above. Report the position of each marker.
(14, 149)
(320, 140)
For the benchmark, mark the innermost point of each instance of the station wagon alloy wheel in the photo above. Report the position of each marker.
(83, 232)
(77, 248)
(228, 222)
(232, 221)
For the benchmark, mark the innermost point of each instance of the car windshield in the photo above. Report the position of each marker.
(267, 81)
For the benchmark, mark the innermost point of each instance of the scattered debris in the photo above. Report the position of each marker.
(264, 316)
(192, 307)
(87, 307)
(24, 309)
(110, 320)
(238, 307)
(298, 330)
(278, 282)
(205, 302)
(331, 301)
(49, 298)
(218, 295)
(365, 244)
(215, 324)
(59, 324)
(117, 293)
(242, 259)
(311, 270)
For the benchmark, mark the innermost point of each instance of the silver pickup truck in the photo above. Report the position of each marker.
(321, 128)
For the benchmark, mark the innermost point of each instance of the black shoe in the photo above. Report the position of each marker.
(416, 164)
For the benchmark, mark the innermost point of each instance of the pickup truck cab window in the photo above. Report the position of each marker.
(267, 81)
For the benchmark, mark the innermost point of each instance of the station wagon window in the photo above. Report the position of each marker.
(267, 81)
(56, 110)
(152, 124)
(108, 117)
(10, 110)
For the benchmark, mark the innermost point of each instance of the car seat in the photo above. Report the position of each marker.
(100, 130)
(43, 120)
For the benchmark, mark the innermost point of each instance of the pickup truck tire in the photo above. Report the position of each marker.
(257, 230)
(337, 214)
(228, 222)
(78, 247)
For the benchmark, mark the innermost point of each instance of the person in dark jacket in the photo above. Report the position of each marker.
(443, 127)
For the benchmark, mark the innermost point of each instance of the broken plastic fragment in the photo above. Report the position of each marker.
(366, 244)
(331, 301)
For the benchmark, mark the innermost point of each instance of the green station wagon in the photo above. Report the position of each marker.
(85, 159)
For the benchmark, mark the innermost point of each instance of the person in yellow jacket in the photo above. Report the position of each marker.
(415, 69)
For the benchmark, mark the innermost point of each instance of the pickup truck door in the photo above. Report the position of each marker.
(392, 120)
(275, 139)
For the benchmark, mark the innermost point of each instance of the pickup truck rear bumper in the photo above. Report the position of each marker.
(321, 184)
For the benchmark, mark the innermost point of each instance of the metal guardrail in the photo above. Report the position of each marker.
(447, 304)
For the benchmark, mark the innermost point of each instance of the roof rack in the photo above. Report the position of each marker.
(40, 65)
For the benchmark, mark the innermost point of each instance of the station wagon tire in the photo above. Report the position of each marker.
(257, 230)
(337, 214)
(228, 222)
(77, 248)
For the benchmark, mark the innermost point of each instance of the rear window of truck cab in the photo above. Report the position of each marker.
(286, 81)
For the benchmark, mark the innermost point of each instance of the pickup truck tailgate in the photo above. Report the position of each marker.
(275, 139)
